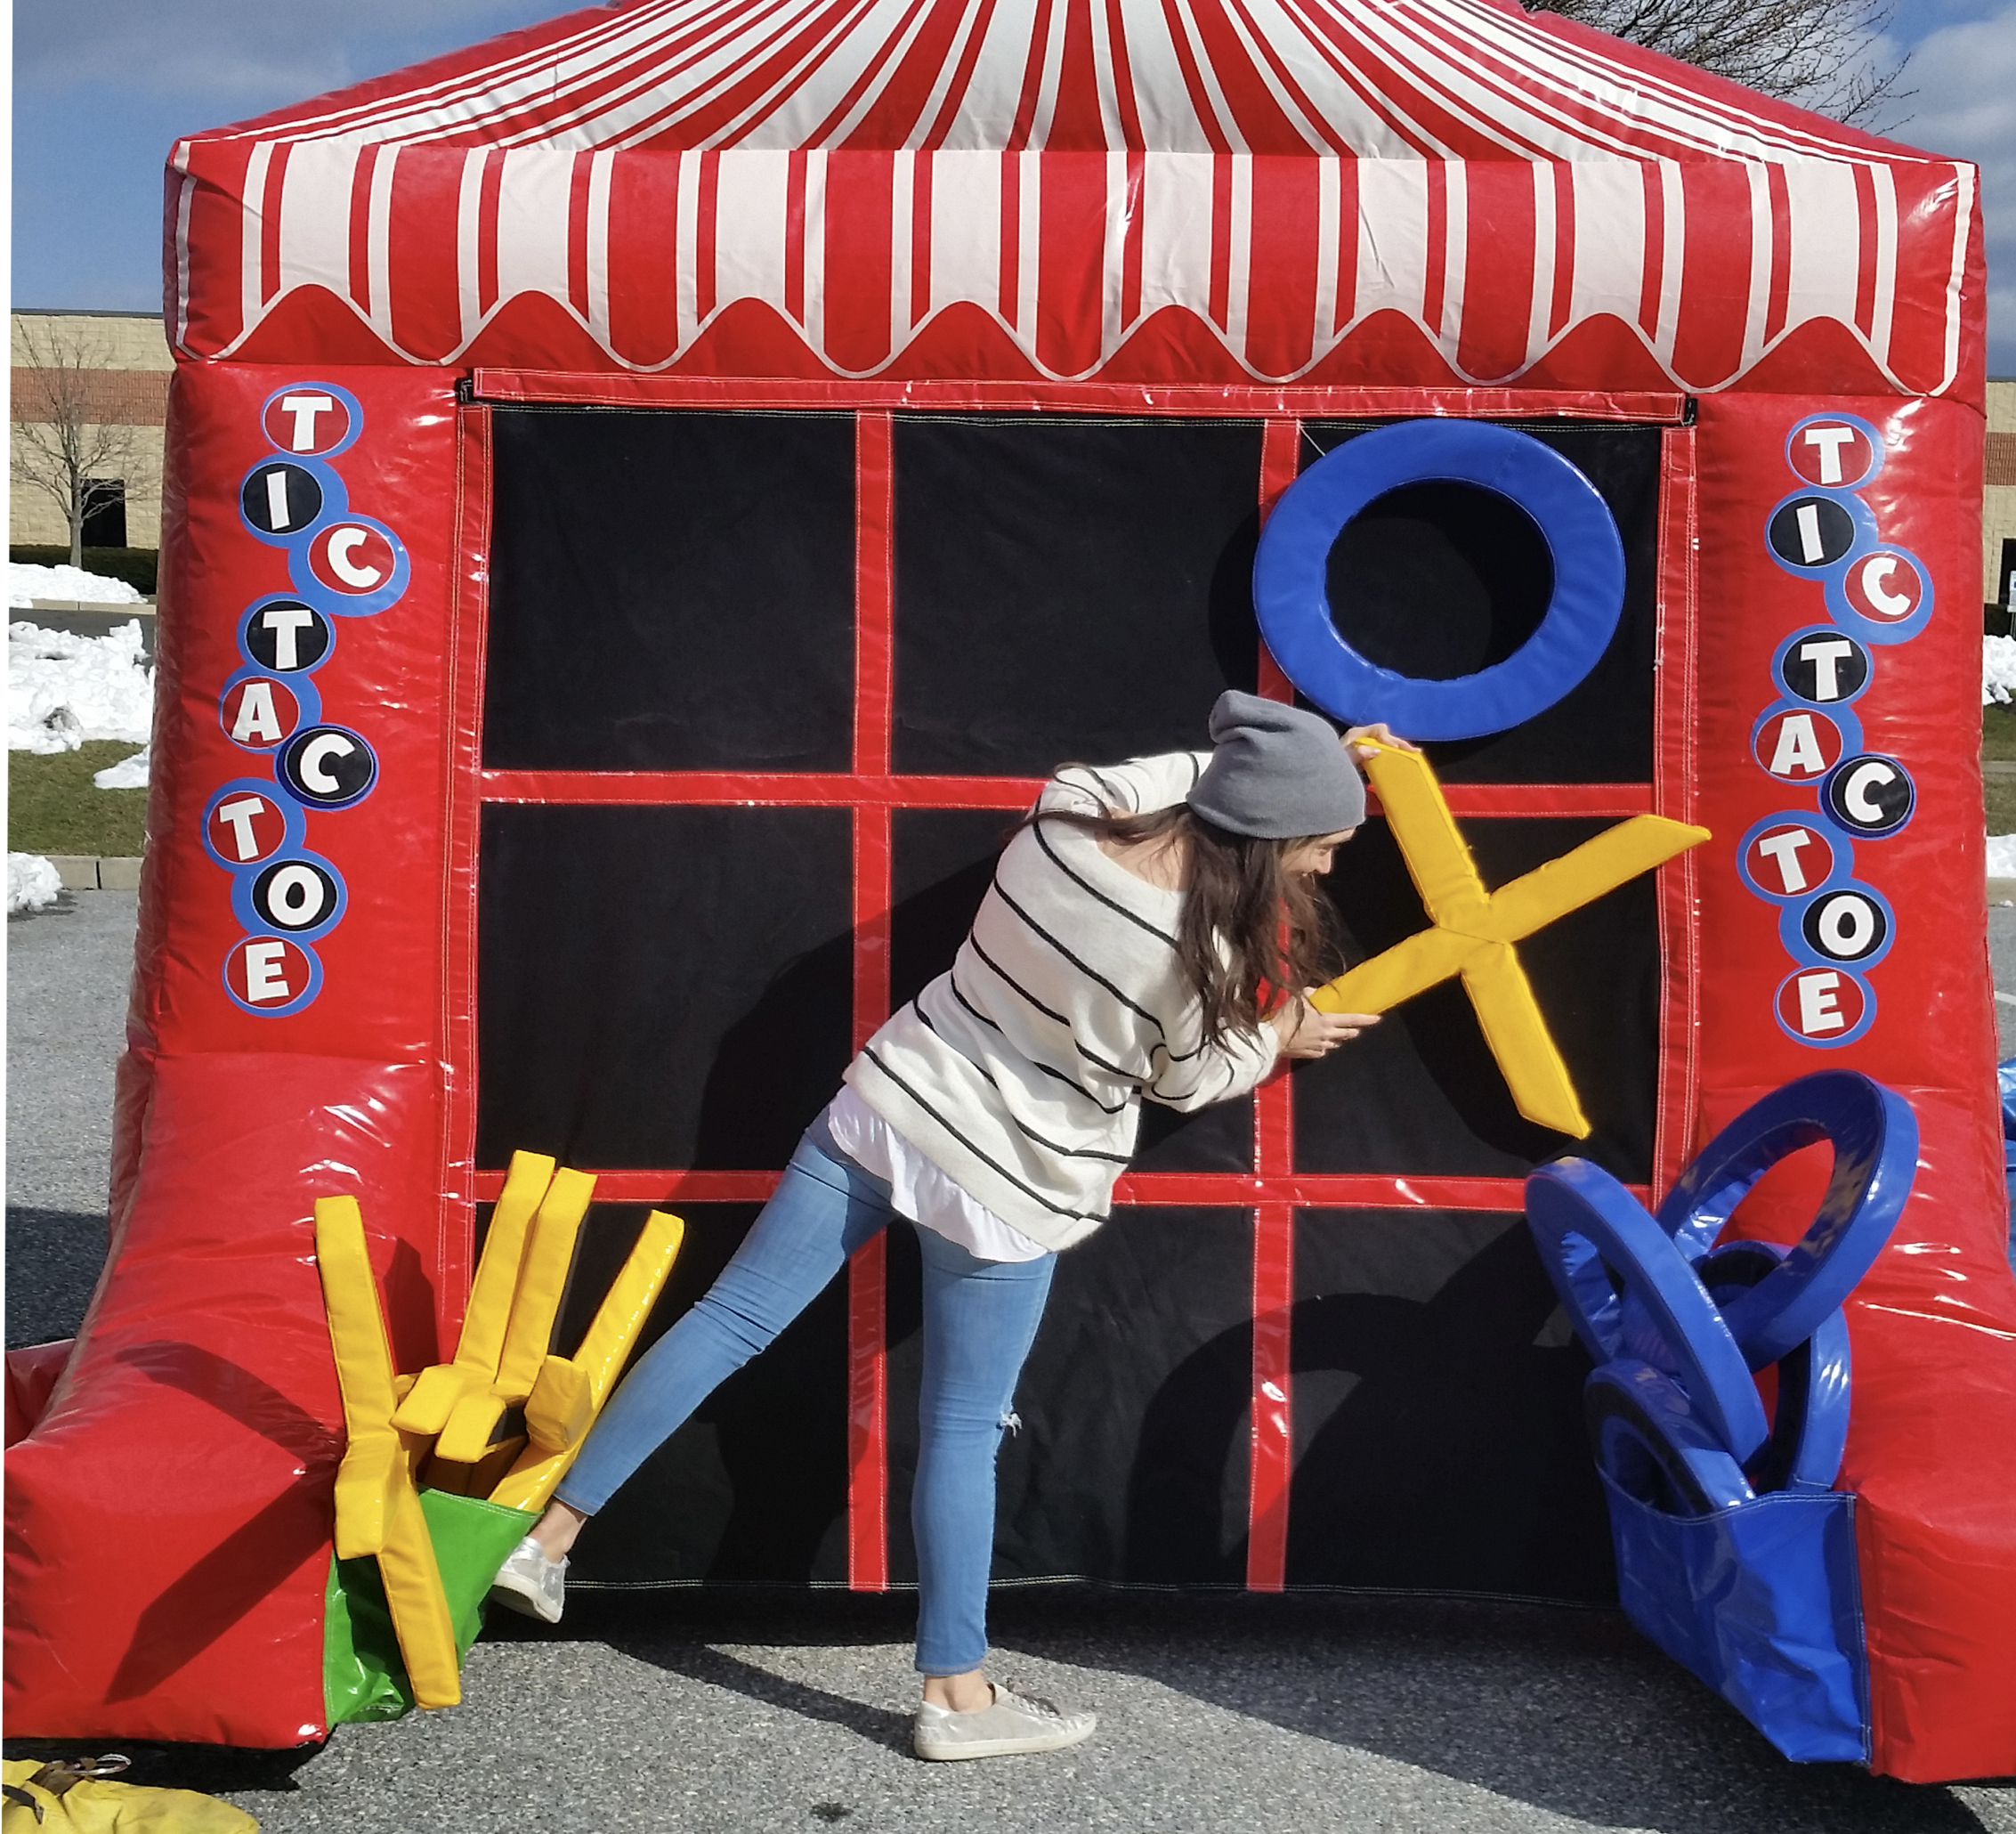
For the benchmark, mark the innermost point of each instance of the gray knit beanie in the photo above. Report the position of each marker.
(1278, 773)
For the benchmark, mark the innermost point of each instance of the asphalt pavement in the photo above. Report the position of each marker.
(746, 1711)
(67, 972)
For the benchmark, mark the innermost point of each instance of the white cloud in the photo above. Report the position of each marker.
(1965, 77)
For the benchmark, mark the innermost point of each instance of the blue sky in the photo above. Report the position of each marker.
(102, 88)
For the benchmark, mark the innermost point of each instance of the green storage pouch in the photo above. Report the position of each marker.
(362, 1675)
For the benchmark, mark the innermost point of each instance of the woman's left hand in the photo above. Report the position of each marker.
(1363, 740)
(1305, 1033)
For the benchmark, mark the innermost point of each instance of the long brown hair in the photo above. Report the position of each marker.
(1250, 931)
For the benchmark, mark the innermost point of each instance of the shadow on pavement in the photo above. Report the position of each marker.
(54, 1260)
(1565, 1709)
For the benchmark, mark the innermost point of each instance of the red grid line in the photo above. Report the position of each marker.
(1673, 690)
(1227, 1190)
(461, 845)
(1271, 1417)
(881, 789)
(507, 387)
(874, 699)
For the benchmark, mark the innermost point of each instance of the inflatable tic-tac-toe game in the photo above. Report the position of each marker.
(650, 499)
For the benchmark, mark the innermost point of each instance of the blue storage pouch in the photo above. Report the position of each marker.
(1762, 1601)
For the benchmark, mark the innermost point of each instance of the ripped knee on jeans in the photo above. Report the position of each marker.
(1009, 1421)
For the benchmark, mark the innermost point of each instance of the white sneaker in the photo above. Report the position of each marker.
(1014, 1723)
(531, 1583)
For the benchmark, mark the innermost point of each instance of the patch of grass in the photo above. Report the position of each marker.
(2001, 796)
(53, 807)
(139, 567)
(1998, 732)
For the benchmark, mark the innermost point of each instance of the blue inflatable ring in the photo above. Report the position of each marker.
(1874, 1137)
(1291, 595)
(1809, 1422)
(1590, 1228)
(1638, 1416)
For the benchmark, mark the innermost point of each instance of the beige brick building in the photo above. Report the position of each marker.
(122, 362)
(1998, 505)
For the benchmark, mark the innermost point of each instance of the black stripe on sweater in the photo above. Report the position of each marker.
(1079, 879)
(952, 980)
(1082, 966)
(1028, 1189)
(1020, 1125)
(1048, 1012)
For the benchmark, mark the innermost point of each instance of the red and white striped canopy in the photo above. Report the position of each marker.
(1413, 191)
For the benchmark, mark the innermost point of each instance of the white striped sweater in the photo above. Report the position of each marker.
(1019, 1072)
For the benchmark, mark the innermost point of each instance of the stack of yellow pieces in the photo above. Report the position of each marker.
(456, 1423)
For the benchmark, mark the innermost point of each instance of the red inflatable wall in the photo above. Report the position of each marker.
(169, 1515)
(1932, 1449)
(169, 1519)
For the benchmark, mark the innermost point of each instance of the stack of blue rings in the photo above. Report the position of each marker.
(1677, 1326)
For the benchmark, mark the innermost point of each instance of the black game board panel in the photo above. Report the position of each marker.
(753, 1487)
(1068, 587)
(670, 590)
(1436, 1412)
(607, 1038)
(1437, 580)
(1132, 1462)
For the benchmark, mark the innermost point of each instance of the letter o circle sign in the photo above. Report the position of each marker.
(1291, 595)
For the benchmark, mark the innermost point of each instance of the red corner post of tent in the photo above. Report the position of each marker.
(1931, 1452)
(169, 1517)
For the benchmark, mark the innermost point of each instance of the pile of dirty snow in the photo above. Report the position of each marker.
(63, 690)
(67, 585)
(127, 774)
(1998, 671)
(32, 883)
(2001, 857)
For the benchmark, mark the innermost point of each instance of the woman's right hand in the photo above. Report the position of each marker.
(1306, 1033)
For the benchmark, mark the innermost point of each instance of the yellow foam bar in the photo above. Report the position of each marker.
(472, 1428)
(378, 1508)
(617, 1323)
(433, 1397)
(1585, 873)
(561, 1406)
(420, 1617)
(1437, 857)
(440, 1389)
(372, 1454)
(1512, 1026)
(1408, 968)
(628, 1303)
(477, 1480)
(542, 1281)
(497, 1274)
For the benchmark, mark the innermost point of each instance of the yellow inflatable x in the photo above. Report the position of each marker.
(1473, 930)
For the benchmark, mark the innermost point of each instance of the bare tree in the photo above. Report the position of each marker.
(79, 431)
(1818, 53)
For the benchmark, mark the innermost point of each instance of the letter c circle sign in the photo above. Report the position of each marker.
(328, 766)
(1290, 588)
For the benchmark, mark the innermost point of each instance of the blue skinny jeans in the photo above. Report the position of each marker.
(980, 1317)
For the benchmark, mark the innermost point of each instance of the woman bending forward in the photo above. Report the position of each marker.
(1126, 948)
